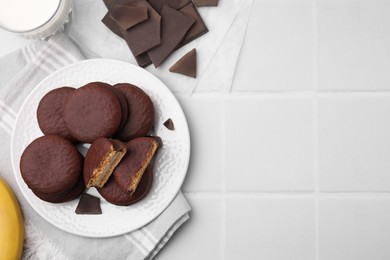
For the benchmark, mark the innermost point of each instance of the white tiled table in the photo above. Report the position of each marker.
(295, 162)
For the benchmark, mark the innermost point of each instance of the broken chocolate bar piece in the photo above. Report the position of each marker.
(198, 28)
(127, 16)
(142, 59)
(112, 25)
(142, 37)
(88, 205)
(186, 65)
(146, 35)
(169, 124)
(108, 3)
(174, 27)
(175, 4)
(200, 3)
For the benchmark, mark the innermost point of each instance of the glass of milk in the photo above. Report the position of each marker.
(34, 19)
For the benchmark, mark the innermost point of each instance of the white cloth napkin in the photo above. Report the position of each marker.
(19, 74)
(217, 50)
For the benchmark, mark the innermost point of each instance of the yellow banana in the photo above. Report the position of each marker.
(11, 224)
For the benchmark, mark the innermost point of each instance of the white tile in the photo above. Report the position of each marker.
(204, 120)
(270, 228)
(277, 53)
(354, 143)
(269, 144)
(199, 238)
(354, 229)
(353, 44)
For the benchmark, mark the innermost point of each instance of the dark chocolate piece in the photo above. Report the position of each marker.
(88, 205)
(169, 124)
(200, 3)
(198, 28)
(140, 38)
(143, 59)
(128, 16)
(186, 65)
(112, 25)
(108, 3)
(175, 4)
(146, 35)
(174, 27)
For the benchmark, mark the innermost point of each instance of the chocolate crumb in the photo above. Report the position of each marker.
(169, 124)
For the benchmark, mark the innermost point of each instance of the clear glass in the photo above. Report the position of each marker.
(55, 23)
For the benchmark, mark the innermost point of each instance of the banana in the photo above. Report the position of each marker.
(11, 224)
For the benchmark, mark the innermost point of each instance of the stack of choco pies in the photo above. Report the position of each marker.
(116, 120)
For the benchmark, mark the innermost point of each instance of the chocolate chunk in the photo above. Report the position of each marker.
(108, 3)
(186, 65)
(169, 124)
(174, 27)
(127, 16)
(146, 35)
(88, 205)
(112, 25)
(198, 28)
(142, 59)
(111, 3)
(200, 3)
(175, 4)
(142, 37)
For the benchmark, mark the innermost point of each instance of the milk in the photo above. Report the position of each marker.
(34, 18)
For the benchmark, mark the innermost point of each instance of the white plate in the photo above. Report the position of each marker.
(171, 164)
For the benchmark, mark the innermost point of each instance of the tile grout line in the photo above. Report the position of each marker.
(292, 194)
(315, 131)
(298, 94)
(316, 175)
(223, 178)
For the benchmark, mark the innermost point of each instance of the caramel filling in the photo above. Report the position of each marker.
(101, 174)
(137, 177)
